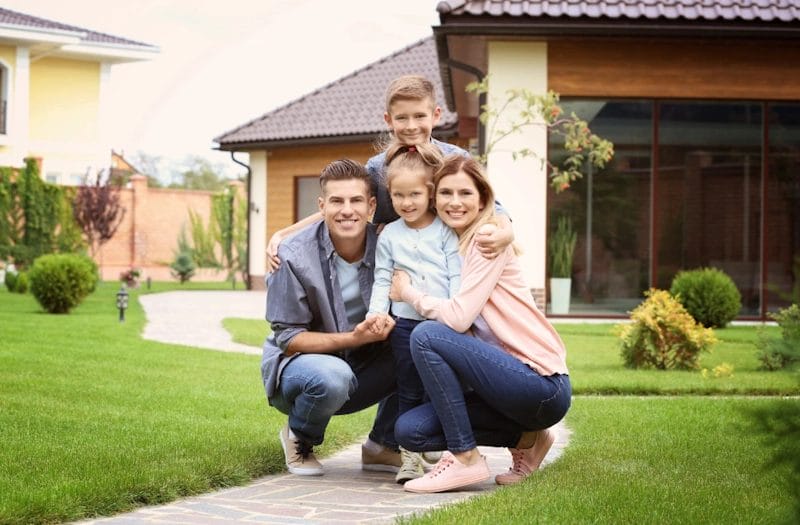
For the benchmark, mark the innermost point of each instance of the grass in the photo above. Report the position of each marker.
(646, 460)
(596, 367)
(94, 420)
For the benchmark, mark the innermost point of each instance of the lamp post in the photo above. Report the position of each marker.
(122, 302)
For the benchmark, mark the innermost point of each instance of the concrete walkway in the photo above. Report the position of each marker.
(344, 495)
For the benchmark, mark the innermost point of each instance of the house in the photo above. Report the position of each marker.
(702, 101)
(54, 94)
(290, 145)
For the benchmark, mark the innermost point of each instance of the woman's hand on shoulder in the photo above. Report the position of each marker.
(492, 239)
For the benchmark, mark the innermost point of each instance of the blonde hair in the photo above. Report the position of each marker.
(410, 87)
(455, 163)
(423, 158)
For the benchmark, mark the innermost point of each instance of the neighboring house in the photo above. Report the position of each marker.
(289, 146)
(54, 94)
(701, 99)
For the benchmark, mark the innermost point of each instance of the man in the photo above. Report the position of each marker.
(323, 357)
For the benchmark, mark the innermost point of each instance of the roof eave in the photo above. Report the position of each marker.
(316, 141)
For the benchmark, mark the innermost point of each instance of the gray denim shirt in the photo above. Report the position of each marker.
(303, 294)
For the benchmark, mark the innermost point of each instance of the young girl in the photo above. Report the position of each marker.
(423, 246)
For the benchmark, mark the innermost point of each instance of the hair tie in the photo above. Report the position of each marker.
(411, 149)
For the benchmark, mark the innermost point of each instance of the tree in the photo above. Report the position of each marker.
(580, 143)
(200, 174)
(98, 211)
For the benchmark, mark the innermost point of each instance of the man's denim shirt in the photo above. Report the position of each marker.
(303, 294)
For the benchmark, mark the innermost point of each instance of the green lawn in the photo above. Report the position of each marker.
(647, 460)
(94, 420)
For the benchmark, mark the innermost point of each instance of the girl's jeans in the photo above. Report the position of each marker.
(479, 394)
(410, 392)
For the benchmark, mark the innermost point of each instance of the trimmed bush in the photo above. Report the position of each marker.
(23, 283)
(183, 267)
(60, 282)
(709, 295)
(775, 353)
(663, 335)
(10, 281)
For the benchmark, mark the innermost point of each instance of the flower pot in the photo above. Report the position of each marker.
(560, 289)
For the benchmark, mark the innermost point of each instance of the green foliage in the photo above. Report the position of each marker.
(22, 283)
(561, 246)
(183, 267)
(10, 280)
(30, 215)
(779, 426)
(200, 174)
(60, 282)
(777, 353)
(223, 243)
(203, 241)
(663, 335)
(709, 295)
(533, 110)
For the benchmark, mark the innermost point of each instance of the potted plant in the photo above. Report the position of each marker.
(561, 248)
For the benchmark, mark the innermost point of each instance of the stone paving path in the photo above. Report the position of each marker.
(344, 495)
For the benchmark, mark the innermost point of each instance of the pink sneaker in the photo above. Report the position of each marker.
(527, 460)
(449, 474)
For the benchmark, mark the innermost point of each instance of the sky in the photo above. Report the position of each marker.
(224, 63)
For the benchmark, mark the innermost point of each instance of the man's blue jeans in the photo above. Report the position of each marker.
(479, 394)
(315, 387)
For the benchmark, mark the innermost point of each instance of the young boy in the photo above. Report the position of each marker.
(411, 114)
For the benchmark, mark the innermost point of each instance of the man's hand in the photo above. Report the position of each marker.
(491, 240)
(272, 252)
(373, 329)
(400, 281)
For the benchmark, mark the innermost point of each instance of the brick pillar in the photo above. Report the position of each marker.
(138, 240)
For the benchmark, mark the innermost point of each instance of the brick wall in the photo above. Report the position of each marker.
(148, 236)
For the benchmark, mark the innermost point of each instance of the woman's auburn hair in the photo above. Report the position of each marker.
(455, 163)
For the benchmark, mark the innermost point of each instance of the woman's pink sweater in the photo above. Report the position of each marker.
(495, 289)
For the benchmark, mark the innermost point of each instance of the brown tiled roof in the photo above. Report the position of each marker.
(711, 10)
(350, 107)
(13, 18)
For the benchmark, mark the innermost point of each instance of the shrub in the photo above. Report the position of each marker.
(23, 283)
(59, 282)
(775, 353)
(183, 267)
(709, 295)
(11, 281)
(663, 335)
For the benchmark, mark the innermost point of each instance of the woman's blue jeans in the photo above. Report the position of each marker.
(478, 394)
(315, 387)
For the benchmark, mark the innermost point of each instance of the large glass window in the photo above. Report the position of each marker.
(692, 184)
(782, 224)
(708, 193)
(610, 209)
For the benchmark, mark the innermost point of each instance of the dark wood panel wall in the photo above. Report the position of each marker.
(707, 69)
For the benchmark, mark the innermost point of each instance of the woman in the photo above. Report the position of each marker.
(492, 365)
